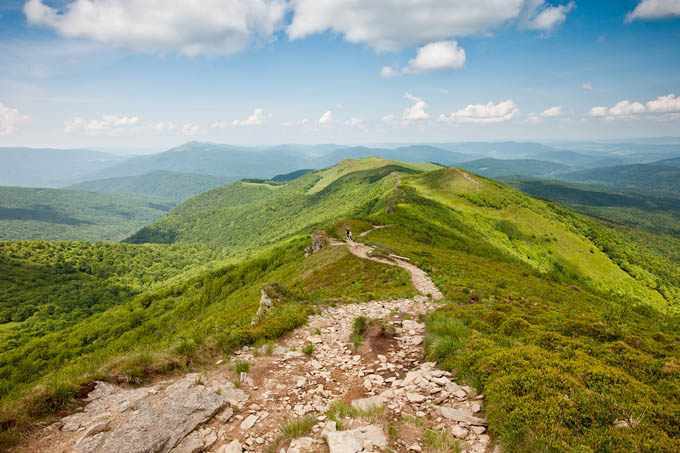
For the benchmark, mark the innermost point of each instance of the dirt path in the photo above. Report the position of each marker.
(395, 394)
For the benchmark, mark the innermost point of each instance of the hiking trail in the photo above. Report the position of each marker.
(385, 394)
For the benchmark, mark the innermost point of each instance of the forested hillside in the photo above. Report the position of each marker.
(565, 324)
(58, 214)
(161, 184)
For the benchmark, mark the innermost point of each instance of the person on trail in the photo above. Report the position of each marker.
(349, 235)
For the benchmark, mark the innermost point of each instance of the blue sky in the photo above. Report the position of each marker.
(150, 74)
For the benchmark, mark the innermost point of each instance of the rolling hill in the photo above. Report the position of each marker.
(652, 178)
(59, 214)
(565, 325)
(161, 184)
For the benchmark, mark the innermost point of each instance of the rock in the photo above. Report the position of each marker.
(225, 415)
(264, 308)
(375, 435)
(620, 423)
(196, 441)
(314, 339)
(329, 427)
(95, 428)
(417, 339)
(366, 404)
(415, 447)
(459, 432)
(478, 429)
(161, 420)
(475, 408)
(233, 447)
(345, 441)
(459, 415)
(415, 397)
(245, 379)
(248, 423)
(301, 445)
(319, 241)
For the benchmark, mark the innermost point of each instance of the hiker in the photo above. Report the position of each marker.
(349, 235)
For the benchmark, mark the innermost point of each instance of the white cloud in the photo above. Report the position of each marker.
(256, 119)
(10, 118)
(546, 17)
(388, 119)
(391, 25)
(654, 9)
(190, 129)
(598, 111)
(435, 56)
(417, 110)
(206, 27)
(388, 71)
(108, 125)
(533, 118)
(552, 112)
(621, 110)
(587, 86)
(443, 91)
(165, 126)
(483, 113)
(354, 122)
(664, 104)
(326, 118)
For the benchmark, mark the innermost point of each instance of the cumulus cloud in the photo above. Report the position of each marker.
(206, 27)
(190, 129)
(664, 104)
(621, 110)
(390, 25)
(587, 86)
(108, 125)
(483, 113)
(598, 111)
(654, 9)
(162, 125)
(417, 110)
(10, 118)
(444, 91)
(256, 119)
(552, 112)
(326, 118)
(541, 16)
(354, 122)
(435, 56)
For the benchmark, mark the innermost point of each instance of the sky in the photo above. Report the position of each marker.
(146, 75)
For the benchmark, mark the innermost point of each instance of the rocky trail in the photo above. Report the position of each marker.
(381, 396)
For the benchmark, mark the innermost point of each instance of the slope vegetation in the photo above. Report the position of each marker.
(566, 326)
(59, 214)
(161, 184)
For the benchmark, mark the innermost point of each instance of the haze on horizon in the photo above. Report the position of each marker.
(298, 71)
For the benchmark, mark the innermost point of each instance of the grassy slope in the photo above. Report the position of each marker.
(162, 184)
(560, 348)
(58, 214)
(244, 216)
(658, 215)
(641, 177)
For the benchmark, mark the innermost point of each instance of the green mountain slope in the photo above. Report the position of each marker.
(655, 214)
(565, 324)
(59, 214)
(653, 178)
(162, 184)
(246, 215)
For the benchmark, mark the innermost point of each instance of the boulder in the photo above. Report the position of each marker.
(345, 441)
(459, 415)
(161, 419)
(233, 447)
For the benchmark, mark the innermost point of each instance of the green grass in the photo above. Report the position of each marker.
(308, 349)
(297, 428)
(563, 323)
(359, 327)
(75, 215)
(440, 441)
(242, 366)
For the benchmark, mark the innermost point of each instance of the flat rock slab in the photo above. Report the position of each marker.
(158, 422)
(461, 416)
